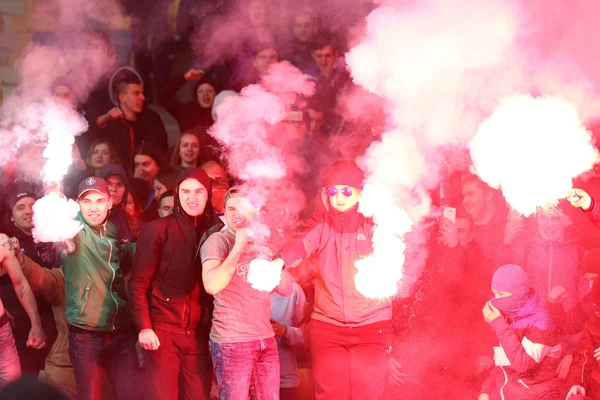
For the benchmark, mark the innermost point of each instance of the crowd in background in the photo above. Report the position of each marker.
(536, 338)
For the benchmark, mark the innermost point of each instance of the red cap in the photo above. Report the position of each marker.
(345, 172)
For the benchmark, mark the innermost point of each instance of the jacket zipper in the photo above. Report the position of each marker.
(583, 367)
(113, 276)
(85, 299)
(505, 382)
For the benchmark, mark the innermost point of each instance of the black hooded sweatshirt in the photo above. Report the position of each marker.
(165, 288)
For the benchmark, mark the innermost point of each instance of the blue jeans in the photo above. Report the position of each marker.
(246, 368)
(10, 368)
(94, 354)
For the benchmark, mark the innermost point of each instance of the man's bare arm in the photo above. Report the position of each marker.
(37, 338)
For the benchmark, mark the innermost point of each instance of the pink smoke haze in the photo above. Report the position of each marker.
(531, 149)
(31, 119)
(258, 146)
(443, 67)
(62, 124)
(416, 58)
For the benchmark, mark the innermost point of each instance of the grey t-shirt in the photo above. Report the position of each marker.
(241, 313)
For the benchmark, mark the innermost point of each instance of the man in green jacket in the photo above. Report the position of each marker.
(101, 340)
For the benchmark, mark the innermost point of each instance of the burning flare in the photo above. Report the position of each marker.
(265, 275)
(54, 219)
(532, 148)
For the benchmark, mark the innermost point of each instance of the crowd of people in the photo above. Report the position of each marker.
(151, 299)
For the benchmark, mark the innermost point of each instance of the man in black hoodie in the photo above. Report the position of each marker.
(174, 318)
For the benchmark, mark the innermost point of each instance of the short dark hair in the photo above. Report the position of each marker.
(166, 194)
(323, 41)
(123, 80)
(167, 177)
(264, 46)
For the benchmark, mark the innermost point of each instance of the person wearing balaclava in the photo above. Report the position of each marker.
(350, 334)
(529, 351)
(171, 309)
(584, 375)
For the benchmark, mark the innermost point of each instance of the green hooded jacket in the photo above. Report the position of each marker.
(95, 296)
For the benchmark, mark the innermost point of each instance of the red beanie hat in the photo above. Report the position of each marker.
(345, 172)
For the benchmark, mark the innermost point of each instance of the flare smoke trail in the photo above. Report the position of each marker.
(257, 142)
(427, 102)
(258, 149)
(443, 67)
(32, 115)
(531, 149)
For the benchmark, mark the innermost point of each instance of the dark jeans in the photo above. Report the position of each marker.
(246, 368)
(180, 368)
(288, 393)
(350, 363)
(94, 354)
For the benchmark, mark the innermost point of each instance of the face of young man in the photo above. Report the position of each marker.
(22, 214)
(304, 28)
(166, 206)
(192, 197)
(64, 94)
(474, 199)
(551, 227)
(238, 213)
(117, 189)
(133, 97)
(94, 207)
(325, 57)
(264, 59)
(343, 197)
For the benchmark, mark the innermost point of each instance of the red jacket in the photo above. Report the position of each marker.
(527, 356)
(338, 240)
(585, 370)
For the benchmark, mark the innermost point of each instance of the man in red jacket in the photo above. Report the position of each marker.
(350, 335)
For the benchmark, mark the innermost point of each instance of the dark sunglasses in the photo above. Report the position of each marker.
(346, 191)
